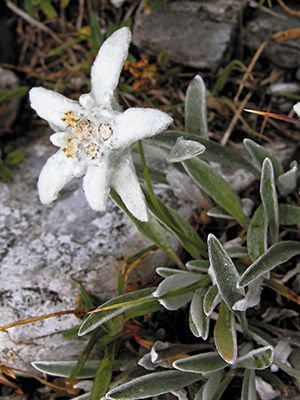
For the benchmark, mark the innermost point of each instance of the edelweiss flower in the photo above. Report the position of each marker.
(94, 137)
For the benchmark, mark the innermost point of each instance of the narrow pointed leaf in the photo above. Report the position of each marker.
(218, 212)
(287, 182)
(195, 108)
(183, 230)
(256, 359)
(210, 387)
(64, 368)
(184, 150)
(256, 235)
(294, 373)
(216, 187)
(225, 334)
(153, 384)
(197, 266)
(103, 375)
(152, 230)
(248, 388)
(269, 199)
(198, 321)
(289, 214)
(278, 254)
(97, 319)
(225, 272)
(211, 299)
(166, 272)
(259, 153)
(201, 363)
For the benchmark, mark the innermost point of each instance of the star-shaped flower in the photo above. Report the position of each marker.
(94, 136)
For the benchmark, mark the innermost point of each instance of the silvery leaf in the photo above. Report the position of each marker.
(287, 182)
(184, 150)
(269, 199)
(153, 384)
(198, 321)
(195, 108)
(172, 283)
(225, 272)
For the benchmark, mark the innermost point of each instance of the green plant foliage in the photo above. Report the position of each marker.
(248, 389)
(215, 186)
(259, 154)
(198, 321)
(195, 108)
(225, 272)
(256, 235)
(117, 306)
(289, 214)
(201, 363)
(152, 385)
(63, 369)
(225, 334)
(278, 254)
(269, 199)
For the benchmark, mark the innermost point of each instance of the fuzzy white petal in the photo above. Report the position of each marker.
(56, 173)
(126, 184)
(59, 139)
(96, 185)
(296, 108)
(108, 65)
(138, 123)
(51, 106)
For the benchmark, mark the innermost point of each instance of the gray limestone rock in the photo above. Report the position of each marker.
(197, 34)
(44, 250)
(9, 108)
(285, 54)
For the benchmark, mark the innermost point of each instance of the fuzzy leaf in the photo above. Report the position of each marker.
(153, 384)
(97, 319)
(201, 363)
(256, 359)
(216, 187)
(248, 388)
(198, 321)
(218, 212)
(64, 368)
(183, 230)
(225, 272)
(269, 199)
(197, 266)
(152, 230)
(289, 214)
(278, 254)
(211, 299)
(172, 283)
(259, 153)
(287, 182)
(166, 272)
(213, 151)
(184, 150)
(103, 375)
(256, 235)
(225, 334)
(195, 108)
(208, 390)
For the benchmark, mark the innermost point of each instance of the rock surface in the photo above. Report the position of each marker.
(44, 249)
(196, 34)
(8, 108)
(285, 54)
